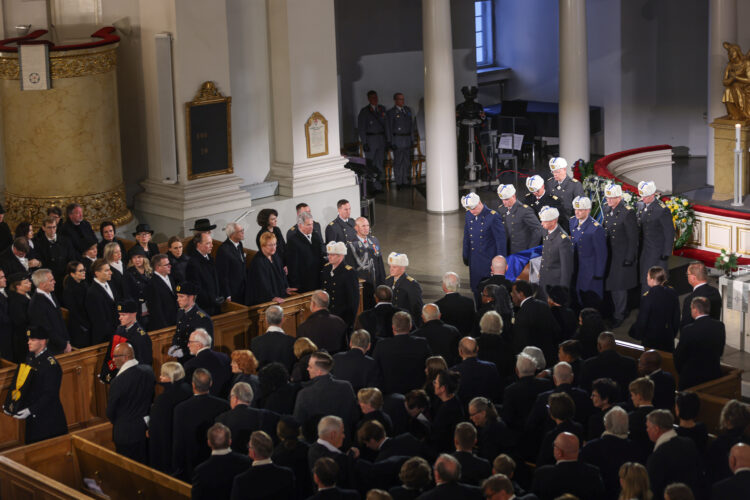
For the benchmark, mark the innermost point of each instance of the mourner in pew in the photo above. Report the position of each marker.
(201, 270)
(176, 390)
(74, 300)
(218, 364)
(698, 355)
(697, 277)
(44, 312)
(230, 264)
(243, 420)
(6, 327)
(88, 258)
(101, 303)
(265, 479)
(649, 365)
(274, 345)
(161, 298)
(189, 318)
(113, 257)
(108, 230)
(19, 286)
(178, 259)
(131, 332)
(266, 279)
(212, 479)
(325, 329)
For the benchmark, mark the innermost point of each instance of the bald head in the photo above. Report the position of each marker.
(125, 350)
(649, 362)
(430, 312)
(468, 348)
(447, 469)
(499, 265)
(739, 457)
(566, 446)
(562, 373)
(319, 300)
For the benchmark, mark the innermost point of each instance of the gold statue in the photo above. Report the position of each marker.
(737, 82)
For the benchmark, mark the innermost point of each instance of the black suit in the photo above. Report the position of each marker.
(704, 290)
(609, 364)
(78, 235)
(55, 256)
(48, 318)
(6, 330)
(377, 321)
(191, 421)
(401, 361)
(161, 301)
(325, 395)
(160, 424)
(304, 260)
(535, 325)
(539, 417)
(10, 263)
(499, 350)
(675, 461)
(18, 312)
(458, 311)
(357, 368)
(243, 420)
(494, 438)
(74, 300)
(658, 319)
(637, 428)
(474, 470)
(150, 250)
(202, 271)
(402, 445)
(264, 482)
(326, 330)
(736, 486)
(274, 346)
(519, 398)
(212, 480)
(230, 267)
(452, 491)
(664, 388)
(335, 493)
(346, 477)
(478, 378)
(218, 364)
(448, 415)
(579, 478)
(608, 453)
(698, 355)
(102, 312)
(130, 396)
(443, 339)
(546, 453)
(294, 456)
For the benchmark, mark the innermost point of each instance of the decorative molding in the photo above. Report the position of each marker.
(62, 65)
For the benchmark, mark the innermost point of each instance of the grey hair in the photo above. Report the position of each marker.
(491, 323)
(663, 419)
(40, 276)
(525, 364)
(202, 336)
(303, 217)
(173, 371)
(430, 312)
(243, 391)
(537, 355)
(274, 315)
(451, 281)
(321, 299)
(231, 228)
(563, 372)
(616, 421)
(330, 423)
(360, 338)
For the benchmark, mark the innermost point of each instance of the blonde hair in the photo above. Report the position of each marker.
(173, 371)
(266, 237)
(146, 265)
(635, 483)
(303, 346)
(371, 396)
(109, 250)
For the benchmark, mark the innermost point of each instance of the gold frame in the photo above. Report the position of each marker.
(209, 94)
(315, 116)
(719, 226)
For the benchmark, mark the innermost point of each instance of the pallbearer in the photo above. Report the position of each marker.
(484, 238)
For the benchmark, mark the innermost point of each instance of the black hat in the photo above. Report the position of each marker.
(289, 421)
(558, 294)
(187, 288)
(89, 242)
(203, 225)
(18, 277)
(143, 228)
(137, 250)
(127, 306)
(34, 332)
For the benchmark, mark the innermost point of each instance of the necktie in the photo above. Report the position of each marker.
(109, 292)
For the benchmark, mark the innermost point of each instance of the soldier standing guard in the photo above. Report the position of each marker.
(407, 292)
(557, 254)
(484, 238)
(371, 125)
(590, 254)
(657, 231)
(401, 138)
(522, 227)
(622, 244)
(341, 282)
(366, 257)
(342, 227)
(538, 197)
(189, 318)
(561, 185)
(128, 331)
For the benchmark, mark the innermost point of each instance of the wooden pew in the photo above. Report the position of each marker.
(11, 430)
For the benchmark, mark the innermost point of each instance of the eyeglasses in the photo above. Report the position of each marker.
(120, 356)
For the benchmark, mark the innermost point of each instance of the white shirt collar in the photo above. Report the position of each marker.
(202, 349)
(126, 365)
(49, 296)
(274, 328)
(699, 284)
(117, 265)
(383, 303)
(165, 278)
(742, 469)
(265, 461)
(664, 438)
(328, 446)
(225, 451)
(523, 301)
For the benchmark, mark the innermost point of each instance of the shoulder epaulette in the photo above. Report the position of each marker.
(142, 331)
(661, 204)
(596, 223)
(330, 223)
(574, 180)
(563, 235)
(492, 212)
(525, 205)
(348, 267)
(628, 207)
(645, 293)
(554, 197)
(293, 228)
(410, 278)
(201, 314)
(327, 264)
(51, 360)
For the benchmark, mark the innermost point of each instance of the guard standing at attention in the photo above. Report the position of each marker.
(557, 254)
(522, 227)
(128, 331)
(590, 254)
(366, 257)
(371, 125)
(341, 282)
(484, 238)
(401, 138)
(407, 292)
(342, 227)
(562, 186)
(189, 318)
(657, 231)
(538, 197)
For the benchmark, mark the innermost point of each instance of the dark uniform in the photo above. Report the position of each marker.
(187, 322)
(557, 261)
(340, 230)
(548, 200)
(343, 289)
(484, 239)
(401, 136)
(366, 257)
(658, 318)
(622, 244)
(138, 338)
(371, 125)
(522, 227)
(590, 260)
(566, 190)
(293, 229)
(657, 237)
(407, 295)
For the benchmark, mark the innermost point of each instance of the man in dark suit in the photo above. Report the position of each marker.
(675, 459)
(325, 395)
(274, 345)
(497, 275)
(534, 323)
(130, 396)
(478, 378)
(659, 314)
(44, 312)
(325, 472)
(161, 298)
(447, 473)
(330, 440)
(501, 487)
(76, 229)
(649, 365)
(609, 364)
(305, 254)
(176, 390)
(697, 277)
(442, 337)
(372, 435)
(217, 363)
(455, 309)
(101, 300)
(14, 258)
(354, 365)
(698, 355)
(519, 397)
(401, 358)
(641, 395)
(568, 475)
(738, 485)
(54, 250)
(243, 420)
(230, 264)
(473, 468)
(326, 330)
(191, 421)
(264, 479)
(201, 270)
(213, 478)
(377, 321)
(300, 208)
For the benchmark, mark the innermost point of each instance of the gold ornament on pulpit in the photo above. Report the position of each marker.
(737, 82)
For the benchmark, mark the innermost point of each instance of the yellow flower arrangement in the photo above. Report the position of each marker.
(683, 217)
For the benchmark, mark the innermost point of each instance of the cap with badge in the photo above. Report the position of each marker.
(646, 188)
(505, 191)
(187, 288)
(37, 333)
(398, 259)
(336, 248)
(547, 214)
(534, 183)
(613, 191)
(127, 306)
(470, 201)
(558, 163)
(581, 203)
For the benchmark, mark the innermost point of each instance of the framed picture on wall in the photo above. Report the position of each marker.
(208, 125)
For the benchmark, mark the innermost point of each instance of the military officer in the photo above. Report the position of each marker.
(189, 317)
(407, 293)
(304, 207)
(342, 227)
(561, 185)
(522, 227)
(401, 136)
(484, 238)
(366, 257)
(371, 125)
(557, 253)
(341, 282)
(622, 244)
(590, 254)
(128, 331)
(657, 231)
(36, 391)
(538, 197)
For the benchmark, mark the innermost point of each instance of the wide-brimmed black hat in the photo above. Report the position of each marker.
(18, 277)
(187, 288)
(136, 250)
(143, 228)
(127, 306)
(203, 225)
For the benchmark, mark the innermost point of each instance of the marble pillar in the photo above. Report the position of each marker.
(575, 140)
(440, 107)
(722, 27)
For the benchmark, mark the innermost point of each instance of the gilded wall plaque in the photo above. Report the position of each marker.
(208, 125)
(316, 135)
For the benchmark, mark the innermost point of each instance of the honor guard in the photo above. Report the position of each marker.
(407, 293)
(401, 138)
(128, 331)
(590, 254)
(189, 317)
(35, 394)
(657, 231)
(366, 257)
(522, 227)
(371, 126)
(538, 197)
(622, 244)
(557, 253)
(304, 207)
(341, 282)
(342, 227)
(561, 185)
(484, 238)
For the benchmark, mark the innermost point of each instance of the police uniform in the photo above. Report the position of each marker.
(142, 351)
(342, 286)
(657, 237)
(566, 190)
(366, 257)
(522, 227)
(557, 261)
(400, 130)
(484, 239)
(187, 323)
(371, 125)
(590, 260)
(548, 200)
(407, 295)
(622, 244)
(341, 230)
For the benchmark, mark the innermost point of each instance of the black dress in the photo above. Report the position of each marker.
(74, 299)
(6, 330)
(134, 286)
(116, 283)
(178, 267)
(18, 310)
(280, 243)
(266, 279)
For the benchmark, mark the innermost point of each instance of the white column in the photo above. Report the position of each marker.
(722, 27)
(440, 107)
(575, 140)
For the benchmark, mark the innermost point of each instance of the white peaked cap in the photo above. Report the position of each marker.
(336, 248)
(398, 259)
(470, 201)
(557, 163)
(534, 183)
(646, 188)
(505, 191)
(613, 191)
(582, 203)
(547, 214)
